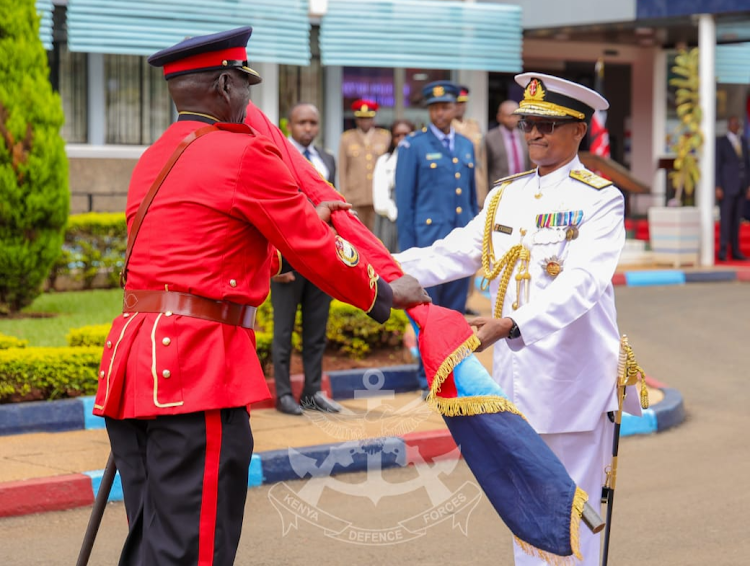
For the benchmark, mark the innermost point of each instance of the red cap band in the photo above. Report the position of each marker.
(209, 60)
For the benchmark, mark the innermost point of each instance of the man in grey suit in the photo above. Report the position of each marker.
(291, 289)
(507, 153)
(732, 186)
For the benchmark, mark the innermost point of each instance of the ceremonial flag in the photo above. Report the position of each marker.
(523, 479)
(599, 133)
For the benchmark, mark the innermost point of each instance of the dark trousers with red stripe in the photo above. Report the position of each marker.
(184, 480)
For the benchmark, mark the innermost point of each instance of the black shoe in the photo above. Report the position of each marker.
(739, 256)
(287, 404)
(722, 256)
(319, 402)
(470, 312)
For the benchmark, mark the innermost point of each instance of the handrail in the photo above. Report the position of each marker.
(615, 172)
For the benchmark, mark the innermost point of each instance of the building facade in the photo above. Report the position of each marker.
(331, 52)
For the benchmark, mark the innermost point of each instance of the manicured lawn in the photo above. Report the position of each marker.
(73, 310)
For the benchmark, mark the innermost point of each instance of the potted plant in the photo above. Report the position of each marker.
(675, 229)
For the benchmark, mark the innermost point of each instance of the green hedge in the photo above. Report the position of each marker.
(51, 373)
(94, 242)
(94, 335)
(8, 342)
(350, 332)
(48, 373)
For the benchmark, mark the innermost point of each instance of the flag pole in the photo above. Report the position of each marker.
(628, 372)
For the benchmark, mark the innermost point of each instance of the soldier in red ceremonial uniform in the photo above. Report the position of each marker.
(209, 205)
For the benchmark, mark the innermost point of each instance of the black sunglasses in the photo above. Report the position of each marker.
(544, 127)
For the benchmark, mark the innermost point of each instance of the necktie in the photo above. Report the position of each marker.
(516, 157)
(307, 155)
(737, 147)
(447, 143)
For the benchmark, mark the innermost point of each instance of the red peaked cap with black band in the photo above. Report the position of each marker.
(223, 50)
(365, 108)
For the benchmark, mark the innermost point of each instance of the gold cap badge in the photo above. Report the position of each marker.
(438, 91)
(534, 91)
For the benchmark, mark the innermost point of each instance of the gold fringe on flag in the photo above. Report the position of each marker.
(579, 499)
(477, 405)
(459, 354)
(465, 406)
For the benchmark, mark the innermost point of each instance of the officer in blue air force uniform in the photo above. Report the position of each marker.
(435, 185)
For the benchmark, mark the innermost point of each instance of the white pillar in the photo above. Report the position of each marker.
(97, 107)
(266, 95)
(706, 189)
(334, 108)
(658, 128)
(478, 83)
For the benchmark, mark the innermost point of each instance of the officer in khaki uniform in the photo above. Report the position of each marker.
(470, 128)
(358, 152)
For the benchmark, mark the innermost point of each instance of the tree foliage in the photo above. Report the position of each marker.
(34, 197)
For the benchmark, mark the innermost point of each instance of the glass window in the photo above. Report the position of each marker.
(138, 107)
(69, 77)
(414, 81)
(371, 83)
(302, 84)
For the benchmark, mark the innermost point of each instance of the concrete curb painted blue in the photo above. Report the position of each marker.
(323, 460)
(76, 414)
(274, 466)
(41, 416)
(655, 277)
(667, 413)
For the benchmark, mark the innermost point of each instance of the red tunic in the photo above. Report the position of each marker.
(211, 231)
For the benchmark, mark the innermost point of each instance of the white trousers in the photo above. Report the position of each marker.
(585, 455)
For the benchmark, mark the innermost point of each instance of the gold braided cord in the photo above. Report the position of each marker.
(507, 263)
(633, 372)
(579, 499)
(488, 254)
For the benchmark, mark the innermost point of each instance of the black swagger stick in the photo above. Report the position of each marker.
(628, 373)
(100, 503)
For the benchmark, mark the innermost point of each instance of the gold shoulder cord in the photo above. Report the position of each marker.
(506, 264)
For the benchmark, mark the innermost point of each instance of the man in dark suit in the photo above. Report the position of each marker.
(291, 289)
(732, 186)
(505, 147)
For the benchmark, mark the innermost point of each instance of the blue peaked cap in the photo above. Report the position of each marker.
(440, 91)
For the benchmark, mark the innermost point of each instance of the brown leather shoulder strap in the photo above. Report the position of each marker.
(146, 202)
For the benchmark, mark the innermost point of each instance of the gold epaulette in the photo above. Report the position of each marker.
(513, 177)
(590, 179)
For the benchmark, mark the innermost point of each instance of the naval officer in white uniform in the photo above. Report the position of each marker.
(548, 242)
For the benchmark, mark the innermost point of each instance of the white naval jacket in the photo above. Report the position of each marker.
(561, 373)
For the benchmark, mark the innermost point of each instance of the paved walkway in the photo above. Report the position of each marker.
(59, 470)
